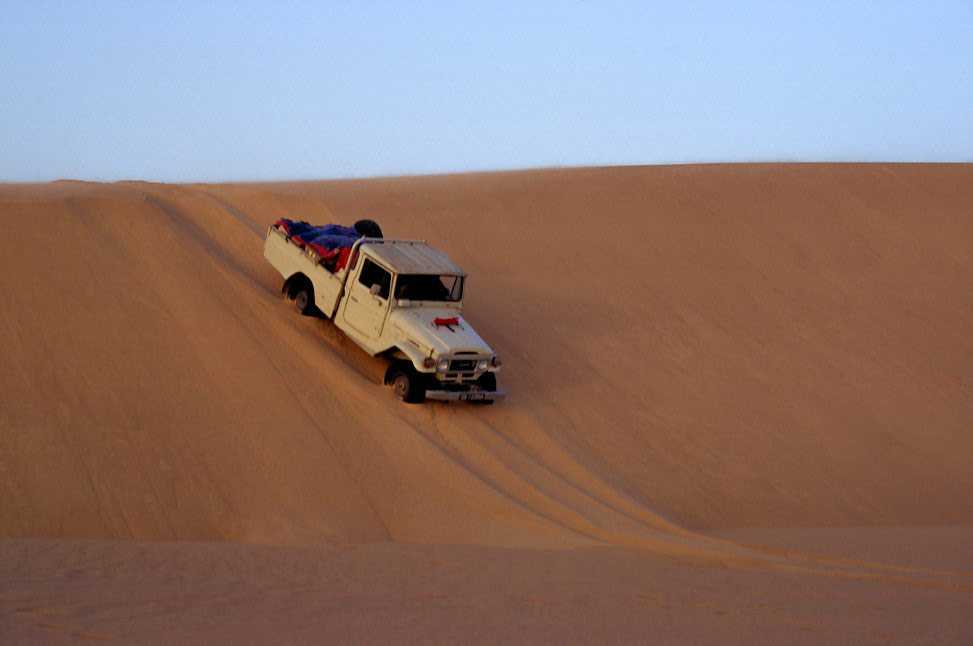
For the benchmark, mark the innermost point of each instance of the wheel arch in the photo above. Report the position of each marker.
(397, 355)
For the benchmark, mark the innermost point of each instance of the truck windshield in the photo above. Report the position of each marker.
(426, 287)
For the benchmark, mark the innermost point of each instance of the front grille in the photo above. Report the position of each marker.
(462, 365)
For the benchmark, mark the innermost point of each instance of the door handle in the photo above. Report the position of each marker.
(352, 299)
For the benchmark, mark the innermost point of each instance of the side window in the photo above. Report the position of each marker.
(372, 274)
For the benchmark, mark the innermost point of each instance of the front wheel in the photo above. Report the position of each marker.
(408, 386)
(487, 382)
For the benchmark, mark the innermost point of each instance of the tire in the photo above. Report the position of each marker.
(304, 300)
(488, 382)
(408, 386)
(368, 228)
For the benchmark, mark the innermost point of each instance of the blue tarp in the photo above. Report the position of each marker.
(331, 236)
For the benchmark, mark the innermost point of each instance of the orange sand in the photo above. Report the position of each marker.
(689, 351)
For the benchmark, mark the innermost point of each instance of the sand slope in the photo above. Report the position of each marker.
(125, 592)
(700, 346)
(729, 345)
(699, 358)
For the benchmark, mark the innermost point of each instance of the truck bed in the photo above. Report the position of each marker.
(289, 259)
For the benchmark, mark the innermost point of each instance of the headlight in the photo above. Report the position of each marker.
(482, 364)
(443, 365)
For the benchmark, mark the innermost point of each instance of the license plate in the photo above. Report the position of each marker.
(474, 396)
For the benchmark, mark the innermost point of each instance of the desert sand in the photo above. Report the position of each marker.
(740, 410)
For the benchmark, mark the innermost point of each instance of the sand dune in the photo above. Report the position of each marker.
(687, 349)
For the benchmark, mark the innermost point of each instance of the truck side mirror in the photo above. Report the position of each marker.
(375, 289)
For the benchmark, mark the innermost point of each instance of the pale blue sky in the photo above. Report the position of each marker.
(274, 90)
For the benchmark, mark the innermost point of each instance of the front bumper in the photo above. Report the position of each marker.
(465, 395)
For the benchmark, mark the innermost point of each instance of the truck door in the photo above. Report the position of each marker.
(367, 306)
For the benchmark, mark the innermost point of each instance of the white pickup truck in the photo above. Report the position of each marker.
(397, 299)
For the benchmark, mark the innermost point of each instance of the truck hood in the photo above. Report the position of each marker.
(419, 324)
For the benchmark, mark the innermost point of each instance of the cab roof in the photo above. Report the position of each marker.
(411, 257)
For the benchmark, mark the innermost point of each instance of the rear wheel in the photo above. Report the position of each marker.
(408, 385)
(303, 300)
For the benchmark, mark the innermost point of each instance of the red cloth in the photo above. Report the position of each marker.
(284, 224)
(327, 255)
(332, 259)
(344, 253)
(453, 320)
